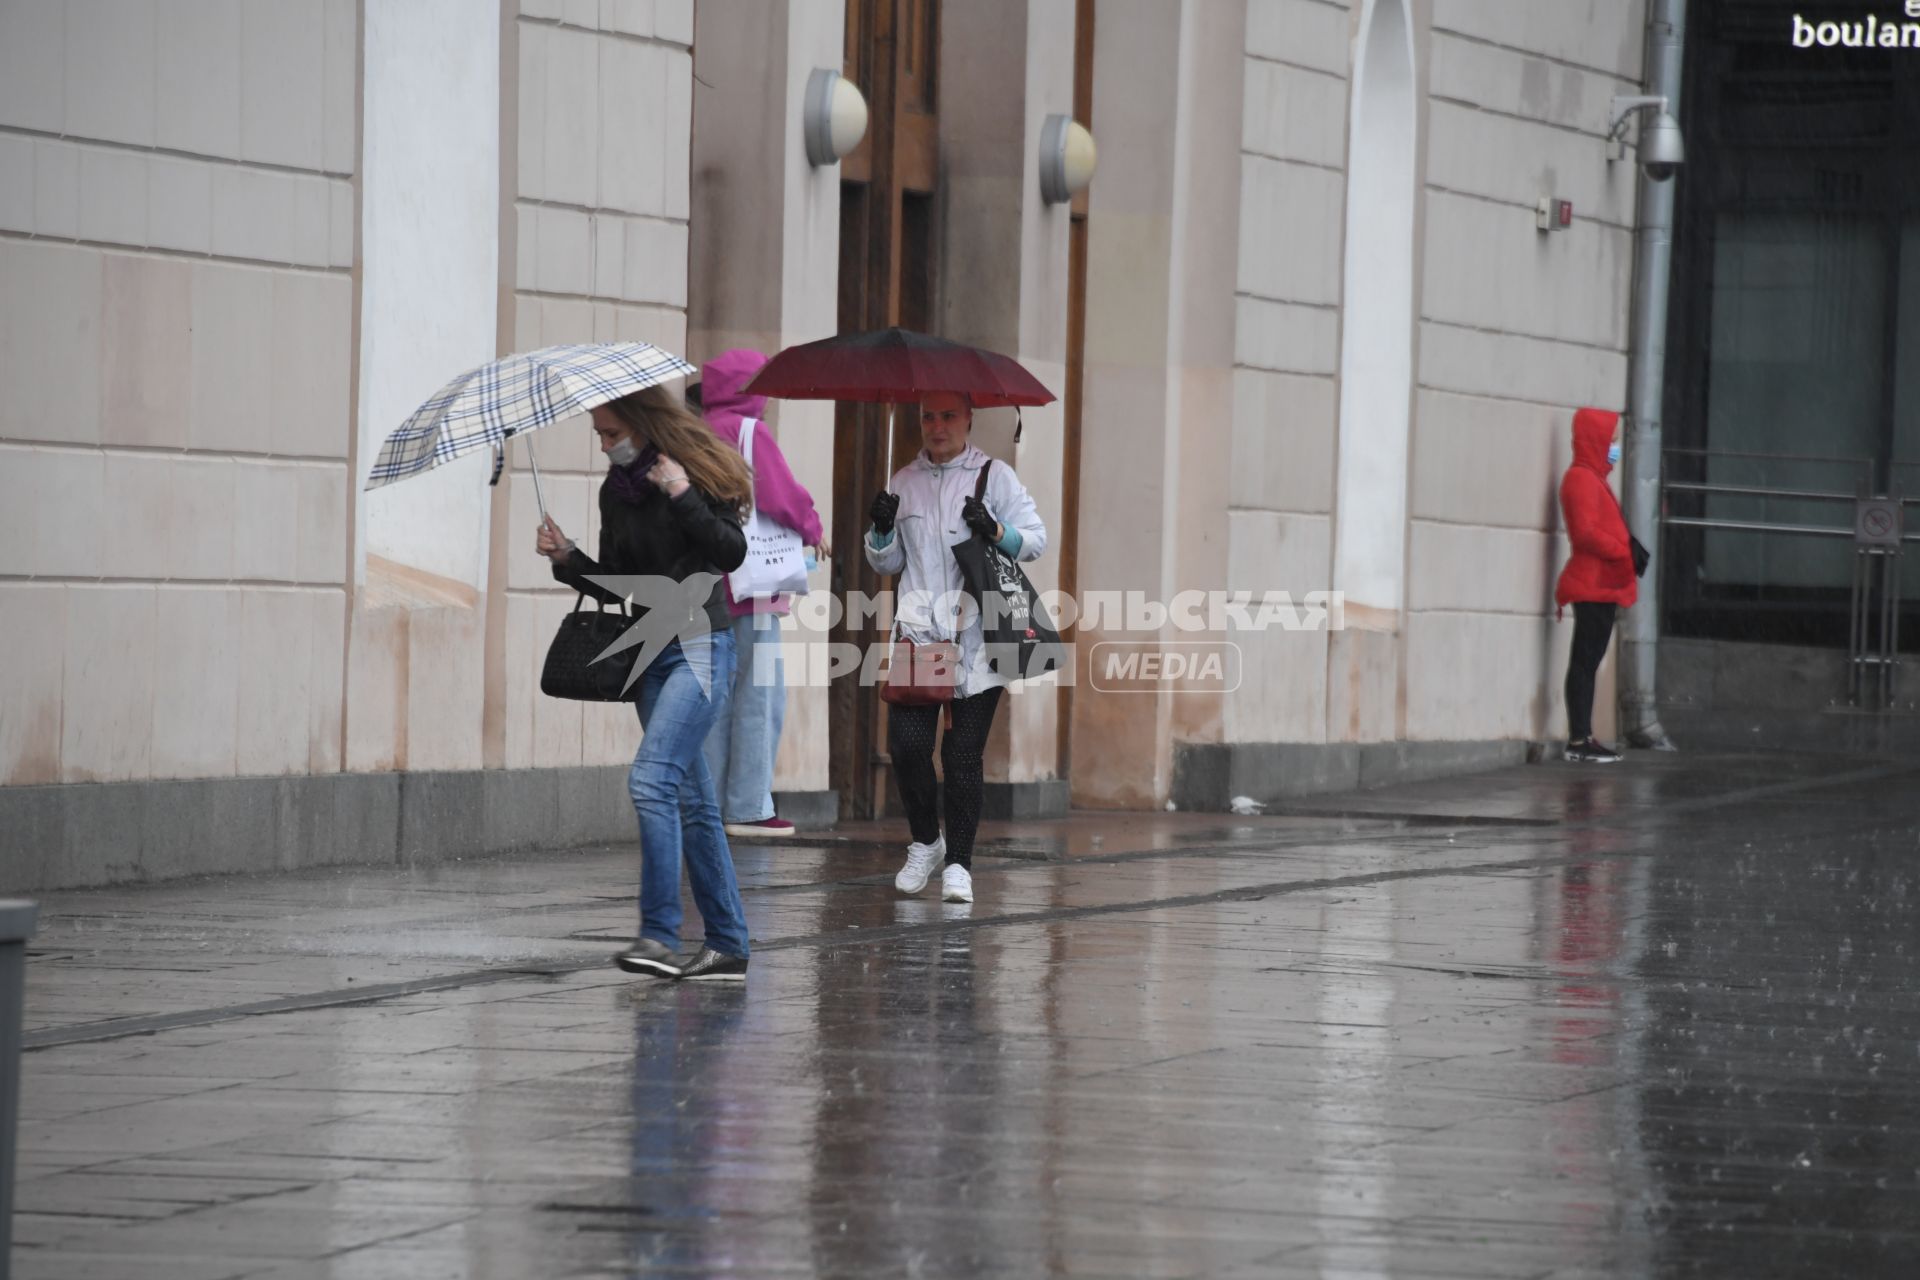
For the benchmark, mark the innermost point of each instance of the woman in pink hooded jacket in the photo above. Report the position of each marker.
(746, 730)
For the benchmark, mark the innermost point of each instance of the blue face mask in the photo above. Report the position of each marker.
(1613, 454)
(812, 561)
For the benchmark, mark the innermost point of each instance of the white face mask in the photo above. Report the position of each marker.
(626, 453)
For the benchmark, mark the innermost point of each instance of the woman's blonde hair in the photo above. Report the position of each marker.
(658, 418)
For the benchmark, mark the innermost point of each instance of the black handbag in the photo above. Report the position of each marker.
(1641, 556)
(1020, 639)
(571, 670)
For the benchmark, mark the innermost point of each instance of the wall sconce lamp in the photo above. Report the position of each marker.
(1662, 149)
(835, 117)
(1067, 158)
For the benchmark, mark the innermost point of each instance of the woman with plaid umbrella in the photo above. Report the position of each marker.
(671, 506)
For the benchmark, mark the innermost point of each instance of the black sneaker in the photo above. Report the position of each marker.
(653, 959)
(1591, 752)
(714, 966)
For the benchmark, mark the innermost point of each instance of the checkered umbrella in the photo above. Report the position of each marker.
(513, 395)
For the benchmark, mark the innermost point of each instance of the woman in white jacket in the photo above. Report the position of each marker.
(930, 510)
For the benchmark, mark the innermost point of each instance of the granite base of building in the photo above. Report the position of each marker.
(808, 810)
(1840, 731)
(1048, 798)
(83, 834)
(1207, 776)
(1722, 695)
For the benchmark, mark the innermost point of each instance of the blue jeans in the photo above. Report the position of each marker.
(746, 733)
(673, 796)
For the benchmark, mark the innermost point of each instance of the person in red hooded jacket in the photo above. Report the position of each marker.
(1599, 578)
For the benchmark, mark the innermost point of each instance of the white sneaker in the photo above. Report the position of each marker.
(921, 860)
(956, 884)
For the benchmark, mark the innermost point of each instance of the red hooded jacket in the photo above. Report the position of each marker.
(1601, 570)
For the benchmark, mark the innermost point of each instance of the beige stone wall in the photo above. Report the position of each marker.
(1515, 329)
(1161, 292)
(178, 231)
(177, 349)
(176, 240)
(1518, 328)
(764, 269)
(599, 228)
(1004, 280)
(1287, 350)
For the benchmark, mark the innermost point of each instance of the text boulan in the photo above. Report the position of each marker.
(1870, 32)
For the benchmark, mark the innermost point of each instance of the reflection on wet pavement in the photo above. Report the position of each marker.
(1652, 1020)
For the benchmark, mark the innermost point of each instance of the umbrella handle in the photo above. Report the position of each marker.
(539, 498)
(892, 412)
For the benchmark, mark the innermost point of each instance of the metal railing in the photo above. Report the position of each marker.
(1878, 533)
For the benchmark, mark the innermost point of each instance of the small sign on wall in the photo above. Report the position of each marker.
(1877, 522)
(1553, 214)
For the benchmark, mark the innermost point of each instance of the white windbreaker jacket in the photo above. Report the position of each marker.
(920, 551)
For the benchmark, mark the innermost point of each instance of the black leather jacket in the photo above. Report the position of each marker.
(661, 536)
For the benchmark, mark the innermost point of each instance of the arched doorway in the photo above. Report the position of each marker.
(1376, 345)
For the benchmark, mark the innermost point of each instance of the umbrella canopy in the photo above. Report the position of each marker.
(896, 366)
(516, 394)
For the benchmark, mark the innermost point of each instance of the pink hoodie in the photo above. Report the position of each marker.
(722, 392)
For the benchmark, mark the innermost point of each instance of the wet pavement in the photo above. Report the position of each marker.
(1655, 1019)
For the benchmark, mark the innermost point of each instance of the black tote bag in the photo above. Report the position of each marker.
(571, 672)
(1020, 639)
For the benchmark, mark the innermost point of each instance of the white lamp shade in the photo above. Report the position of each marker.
(1067, 159)
(835, 118)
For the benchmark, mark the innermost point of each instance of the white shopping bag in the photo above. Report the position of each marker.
(776, 562)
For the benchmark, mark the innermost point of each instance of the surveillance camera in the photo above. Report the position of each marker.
(1662, 151)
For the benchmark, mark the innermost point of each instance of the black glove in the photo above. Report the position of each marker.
(885, 507)
(979, 519)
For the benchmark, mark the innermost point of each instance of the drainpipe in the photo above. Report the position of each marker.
(1646, 382)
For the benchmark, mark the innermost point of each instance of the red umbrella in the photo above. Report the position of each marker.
(896, 366)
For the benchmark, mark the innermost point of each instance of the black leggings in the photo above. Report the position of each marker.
(910, 732)
(1592, 629)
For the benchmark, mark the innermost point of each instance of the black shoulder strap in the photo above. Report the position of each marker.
(980, 485)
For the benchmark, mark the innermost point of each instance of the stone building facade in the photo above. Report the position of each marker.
(1317, 341)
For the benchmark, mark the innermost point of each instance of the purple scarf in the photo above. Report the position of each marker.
(629, 483)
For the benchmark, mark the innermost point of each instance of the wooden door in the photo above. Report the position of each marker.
(887, 277)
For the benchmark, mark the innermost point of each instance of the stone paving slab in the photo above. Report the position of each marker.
(1652, 1019)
